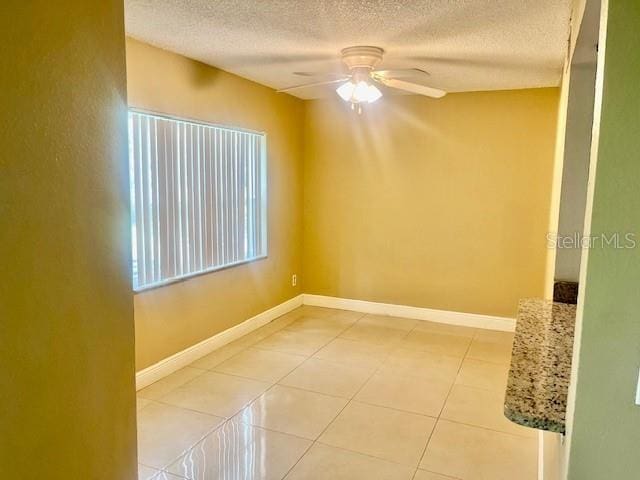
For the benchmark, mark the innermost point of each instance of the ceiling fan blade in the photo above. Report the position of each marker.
(314, 84)
(411, 87)
(399, 72)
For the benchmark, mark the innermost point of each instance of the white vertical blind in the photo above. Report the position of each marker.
(198, 197)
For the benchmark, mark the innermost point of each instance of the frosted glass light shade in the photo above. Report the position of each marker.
(360, 92)
(346, 91)
(373, 93)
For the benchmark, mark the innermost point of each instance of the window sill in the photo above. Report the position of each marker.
(189, 276)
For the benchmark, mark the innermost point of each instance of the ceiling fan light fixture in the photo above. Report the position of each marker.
(373, 93)
(361, 92)
(346, 91)
(362, 75)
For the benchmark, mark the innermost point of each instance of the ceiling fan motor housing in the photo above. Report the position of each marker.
(361, 61)
(362, 57)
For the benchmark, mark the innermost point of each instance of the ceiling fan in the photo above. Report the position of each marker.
(358, 85)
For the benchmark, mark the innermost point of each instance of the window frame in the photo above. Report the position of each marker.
(264, 186)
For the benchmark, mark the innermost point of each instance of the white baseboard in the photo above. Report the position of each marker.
(185, 357)
(418, 313)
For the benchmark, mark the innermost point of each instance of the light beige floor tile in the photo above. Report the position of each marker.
(218, 356)
(265, 365)
(238, 451)
(482, 408)
(494, 336)
(329, 326)
(294, 342)
(327, 377)
(256, 336)
(495, 352)
(292, 315)
(323, 462)
(416, 363)
(392, 435)
(317, 312)
(165, 432)
(411, 394)
(216, 394)
(476, 453)
(141, 403)
(399, 323)
(437, 327)
(281, 322)
(170, 382)
(445, 344)
(288, 318)
(349, 352)
(145, 473)
(424, 475)
(347, 315)
(475, 373)
(293, 411)
(377, 334)
(266, 330)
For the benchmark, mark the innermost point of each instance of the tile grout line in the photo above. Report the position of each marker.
(480, 427)
(267, 390)
(447, 477)
(332, 338)
(375, 371)
(465, 357)
(424, 451)
(393, 347)
(349, 401)
(226, 419)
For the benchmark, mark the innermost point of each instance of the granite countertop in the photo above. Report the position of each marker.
(541, 365)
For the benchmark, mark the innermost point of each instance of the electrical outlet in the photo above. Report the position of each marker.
(294, 280)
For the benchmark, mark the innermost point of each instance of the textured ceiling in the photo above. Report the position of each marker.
(466, 45)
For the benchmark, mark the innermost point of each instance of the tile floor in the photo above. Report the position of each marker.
(321, 394)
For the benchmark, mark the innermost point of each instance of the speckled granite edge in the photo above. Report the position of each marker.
(540, 370)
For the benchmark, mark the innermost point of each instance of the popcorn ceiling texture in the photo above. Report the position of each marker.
(466, 45)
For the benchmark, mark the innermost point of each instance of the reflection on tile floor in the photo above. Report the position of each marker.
(322, 394)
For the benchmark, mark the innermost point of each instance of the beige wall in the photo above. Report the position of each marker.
(67, 400)
(172, 318)
(430, 203)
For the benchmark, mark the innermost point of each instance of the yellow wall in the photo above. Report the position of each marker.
(172, 318)
(431, 203)
(67, 400)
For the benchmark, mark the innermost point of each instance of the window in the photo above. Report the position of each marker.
(198, 197)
